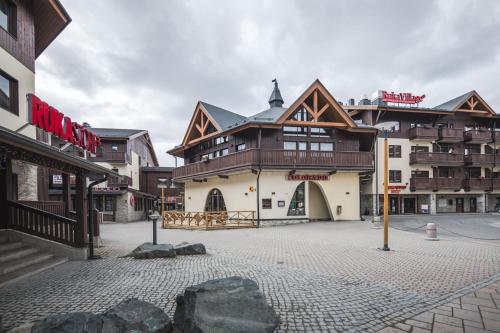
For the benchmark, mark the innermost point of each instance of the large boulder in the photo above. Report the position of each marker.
(226, 305)
(150, 251)
(76, 322)
(189, 249)
(133, 315)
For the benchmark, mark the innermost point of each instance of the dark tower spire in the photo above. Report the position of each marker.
(276, 100)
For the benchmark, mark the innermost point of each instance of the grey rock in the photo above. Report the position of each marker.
(133, 315)
(190, 249)
(76, 322)
(226, 305)
(150, 251)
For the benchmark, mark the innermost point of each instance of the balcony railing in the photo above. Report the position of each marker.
(280, 159)
(112, 157)
(451, 134)
(435, 184)
(481, 159)
(478, 136)
(423, 133)
(444, 159)
(486, 184)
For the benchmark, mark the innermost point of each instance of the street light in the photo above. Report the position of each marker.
(385, 127)
(162, 183)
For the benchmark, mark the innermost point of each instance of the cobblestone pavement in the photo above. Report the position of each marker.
(318, 276)
(478, 311)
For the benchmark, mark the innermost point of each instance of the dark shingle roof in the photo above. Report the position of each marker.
(455, 102)
(115, 133)
(221, 116)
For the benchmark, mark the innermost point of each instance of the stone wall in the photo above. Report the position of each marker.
(27, 180)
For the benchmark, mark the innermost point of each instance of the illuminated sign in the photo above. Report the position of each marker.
(308, 177)
(405, 98)
(51, 120)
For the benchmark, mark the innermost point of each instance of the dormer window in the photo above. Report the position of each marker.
(8, 16)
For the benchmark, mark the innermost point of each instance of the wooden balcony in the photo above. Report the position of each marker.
(451, 135)
(423, 133)
(435, 184)
(481, 159)
(122, 181)
(486, 184)
(277, 159)
(497, 137)
(436, 159)
(477, 136)
(112, 157)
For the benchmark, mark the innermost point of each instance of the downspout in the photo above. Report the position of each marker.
(90, 204)
(259, 138)
(494, 137)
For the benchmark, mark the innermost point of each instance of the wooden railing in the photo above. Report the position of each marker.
(208, 220)
(435, 184)
(448, 159)
(481, 159)
(46, 225)
(487, 184)
(478, 136)
(423, 133)
(53, 207)
(351, 160)
(114, 156)
(451, 134)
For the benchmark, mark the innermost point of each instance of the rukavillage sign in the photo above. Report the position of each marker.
(405, 98)
(49, 119)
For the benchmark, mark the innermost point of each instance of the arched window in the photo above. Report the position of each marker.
(215, 201)
(298, 203)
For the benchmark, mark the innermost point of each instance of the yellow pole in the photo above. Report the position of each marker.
(386, 194)
(162, 200)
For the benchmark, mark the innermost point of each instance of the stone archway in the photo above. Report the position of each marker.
(318, 205)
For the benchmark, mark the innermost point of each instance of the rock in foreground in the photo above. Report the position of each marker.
(133, 315)
(190, 249)
(150, 251)
(225, 305)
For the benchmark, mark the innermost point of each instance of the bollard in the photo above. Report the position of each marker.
(431, 231)
(376, 223)
(154, 217)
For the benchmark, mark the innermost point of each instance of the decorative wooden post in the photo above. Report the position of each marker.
(81, 230)
(66, 193)
(5, 187)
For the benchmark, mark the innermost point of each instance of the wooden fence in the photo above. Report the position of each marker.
(208, 220)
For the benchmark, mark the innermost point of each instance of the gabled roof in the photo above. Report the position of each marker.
(50, 19)
(116, 133)
(222, 117)
(469, 102)
(454, 103)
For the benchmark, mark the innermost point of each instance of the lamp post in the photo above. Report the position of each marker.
(162, 183)
(385, 128)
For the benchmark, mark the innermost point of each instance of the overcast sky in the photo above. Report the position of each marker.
(145, 64)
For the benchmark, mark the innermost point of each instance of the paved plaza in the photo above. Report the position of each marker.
(319, 276)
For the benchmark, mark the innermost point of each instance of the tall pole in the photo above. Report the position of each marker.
(386, 193)
(162, 200)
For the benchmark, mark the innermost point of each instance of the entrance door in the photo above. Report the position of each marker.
(409, 205)
(394, 205)
(473, 205)
(460, 205)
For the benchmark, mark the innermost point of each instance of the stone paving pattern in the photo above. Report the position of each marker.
(476, 312)
(320, 277)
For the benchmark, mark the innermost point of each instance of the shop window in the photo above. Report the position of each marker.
(215, 201)
(8, 16)
(298, 203)
(8, 93)
(419, 149)
(319, 132)
(294, 145)
(395, 176)
(109, 203)
(222, 139)
(419, 174)
(241, 147)
(395, 151)
(138, 203)
(294, 131)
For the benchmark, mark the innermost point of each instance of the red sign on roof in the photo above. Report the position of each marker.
(405, 98)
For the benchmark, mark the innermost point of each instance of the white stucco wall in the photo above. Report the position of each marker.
(26, 83)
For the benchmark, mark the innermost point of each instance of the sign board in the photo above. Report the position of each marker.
(424, 209)
(308, 177)
(57, 180)
(404, 98)
(267, 203)
(162, 186)
(396, 187)
(49, 119)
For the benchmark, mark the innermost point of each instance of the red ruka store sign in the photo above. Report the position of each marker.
(405, 98)
(49, 119)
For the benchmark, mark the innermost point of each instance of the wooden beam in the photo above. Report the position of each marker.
(323, 109)
(315, 102)
(200, 129)
(315, 124)
(311, 112)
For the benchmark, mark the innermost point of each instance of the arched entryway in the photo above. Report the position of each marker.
(297, 205)
(318, 207)
(215, 201)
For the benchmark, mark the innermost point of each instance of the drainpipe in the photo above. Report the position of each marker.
(91, 216)
(259, 138)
